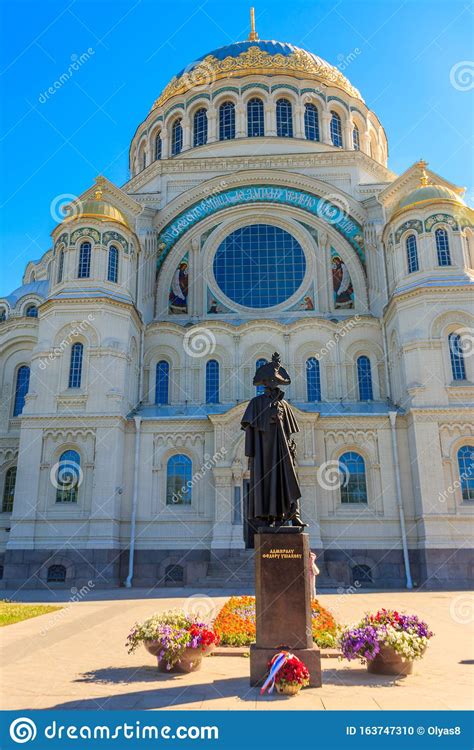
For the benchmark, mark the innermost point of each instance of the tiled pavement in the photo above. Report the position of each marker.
(76, 658)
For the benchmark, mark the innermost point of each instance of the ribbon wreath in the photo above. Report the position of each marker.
(278, 661)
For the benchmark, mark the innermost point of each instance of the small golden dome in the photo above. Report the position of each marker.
(96, 208)
(427, 193)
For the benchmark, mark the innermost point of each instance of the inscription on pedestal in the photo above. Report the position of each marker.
(283, 602)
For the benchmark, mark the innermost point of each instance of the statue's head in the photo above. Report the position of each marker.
(272, 374)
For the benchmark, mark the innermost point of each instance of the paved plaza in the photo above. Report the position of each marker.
(76, 658)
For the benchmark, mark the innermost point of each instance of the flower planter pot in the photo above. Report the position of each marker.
(389, 662)
(288, 689)
(153, 647)
(206, 650)
(190, 661)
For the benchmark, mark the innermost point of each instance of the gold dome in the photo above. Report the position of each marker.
(427, 193)
(256, 57)
(96, 208)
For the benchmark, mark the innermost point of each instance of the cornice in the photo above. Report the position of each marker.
(166, 326)
(81, 301)
(224, 164)
(394, 299)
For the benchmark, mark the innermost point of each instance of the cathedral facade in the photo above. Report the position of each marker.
(260, 216)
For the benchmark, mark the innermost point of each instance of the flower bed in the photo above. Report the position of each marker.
(407, 635)
(235, 623)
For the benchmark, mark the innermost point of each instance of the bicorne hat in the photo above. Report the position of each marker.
(272, 374)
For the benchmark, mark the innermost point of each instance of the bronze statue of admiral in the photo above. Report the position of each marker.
(269, 423)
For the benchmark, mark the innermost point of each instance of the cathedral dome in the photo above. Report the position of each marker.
(96, 208)
(429, 193)
(256, 57)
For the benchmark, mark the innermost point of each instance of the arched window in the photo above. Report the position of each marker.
(112, 267)
(442, 247)
(162, 382)
(174, 574)
(355, 138)
(144, 159)
(226, 121)
(178, 480)
(352, 478)
(158, 147)
(466, 471)
(362, 574)
(56, 574)
(364, 379)
(284, 117)
(412, 254)
(313, 379)
(255, 118)
(60, 266)
(9, 490)
(75, 367)
(84, 270)
(336, 130)
(176, 138)
(458, 368)
(21, 389)
(260, 388)
(200, 127)
(68, 477)
(3, 314)
(311, 122)
(212, 382)
(31, 311)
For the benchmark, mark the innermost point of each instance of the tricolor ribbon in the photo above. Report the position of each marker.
(278, 661)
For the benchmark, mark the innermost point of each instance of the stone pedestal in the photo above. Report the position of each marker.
(283, 602)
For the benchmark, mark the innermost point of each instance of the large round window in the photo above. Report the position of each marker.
(259, 266)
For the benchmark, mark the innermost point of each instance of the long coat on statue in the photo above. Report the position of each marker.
(269, 423)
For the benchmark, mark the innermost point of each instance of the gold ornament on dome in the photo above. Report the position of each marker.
(255, 61)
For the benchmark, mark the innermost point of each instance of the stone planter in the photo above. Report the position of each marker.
(190, 661)
(153, 647)
(288, 689)
(206, 650)
(389, 662)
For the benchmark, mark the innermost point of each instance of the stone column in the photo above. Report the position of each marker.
(240, 129)
(348, 128)
(299, 121)
(325, 130)
(211, 125)
(270, 115)
(222, 537)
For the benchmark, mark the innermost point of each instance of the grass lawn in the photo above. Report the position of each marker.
(11, 612)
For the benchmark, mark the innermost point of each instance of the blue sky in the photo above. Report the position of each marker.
(403, 68)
